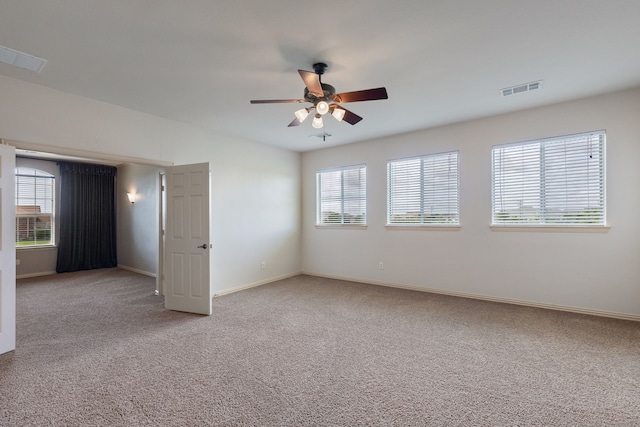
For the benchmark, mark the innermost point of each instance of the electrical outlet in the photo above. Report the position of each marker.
(263, 265)
(381, 266)
(17, 261)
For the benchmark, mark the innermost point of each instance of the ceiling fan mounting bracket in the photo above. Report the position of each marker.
(319, 68)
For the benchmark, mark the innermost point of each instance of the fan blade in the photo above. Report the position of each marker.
(362, 95)
(312, 82)
(349, 117)
(275, 101)
(295, 122)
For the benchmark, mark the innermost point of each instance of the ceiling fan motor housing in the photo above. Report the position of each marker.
(328, 95)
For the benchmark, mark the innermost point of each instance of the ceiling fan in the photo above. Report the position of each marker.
(325, 100)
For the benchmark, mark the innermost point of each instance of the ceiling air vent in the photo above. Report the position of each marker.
(21, 60)
(521, 88)
(323, 136)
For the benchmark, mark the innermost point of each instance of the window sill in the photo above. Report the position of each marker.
(552, 228)
(343, 226)
(35, 248)
(431, 227)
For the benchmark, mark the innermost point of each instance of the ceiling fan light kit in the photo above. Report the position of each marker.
(317, 122)
(325, 100)
(322, 108)
(338, 113)
(302, 114)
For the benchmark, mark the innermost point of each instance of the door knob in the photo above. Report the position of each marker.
(202, 246)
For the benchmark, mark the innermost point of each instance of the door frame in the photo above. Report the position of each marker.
(162, 214)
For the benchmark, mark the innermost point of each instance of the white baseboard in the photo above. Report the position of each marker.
(38, 274)
(136, 270)
(601, 313)
(254, 284)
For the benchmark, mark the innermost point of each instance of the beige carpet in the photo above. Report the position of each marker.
(97, 348)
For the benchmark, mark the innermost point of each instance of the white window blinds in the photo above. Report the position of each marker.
(342, 196)
(34, 207)
(556, 181)
(423, 190)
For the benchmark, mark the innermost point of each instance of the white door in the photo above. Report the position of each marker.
(7, 249)
(188, 285)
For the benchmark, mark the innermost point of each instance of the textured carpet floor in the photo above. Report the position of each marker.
(97, 348)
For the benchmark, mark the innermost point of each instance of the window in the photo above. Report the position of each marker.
(342, 196)
(34, 207)
(423, 190)
(550, 182)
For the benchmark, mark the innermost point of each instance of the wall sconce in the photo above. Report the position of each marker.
(132, 197)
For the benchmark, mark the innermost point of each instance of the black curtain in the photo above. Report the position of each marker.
(87, 217)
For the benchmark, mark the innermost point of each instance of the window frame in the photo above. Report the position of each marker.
(362, 196)
(38, 174)
(546, 220)
(422, 192)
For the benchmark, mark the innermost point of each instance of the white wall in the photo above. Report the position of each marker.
(255, 188)
(137, 237)
(598, 272)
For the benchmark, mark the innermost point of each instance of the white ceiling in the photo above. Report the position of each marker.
(442, 61)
